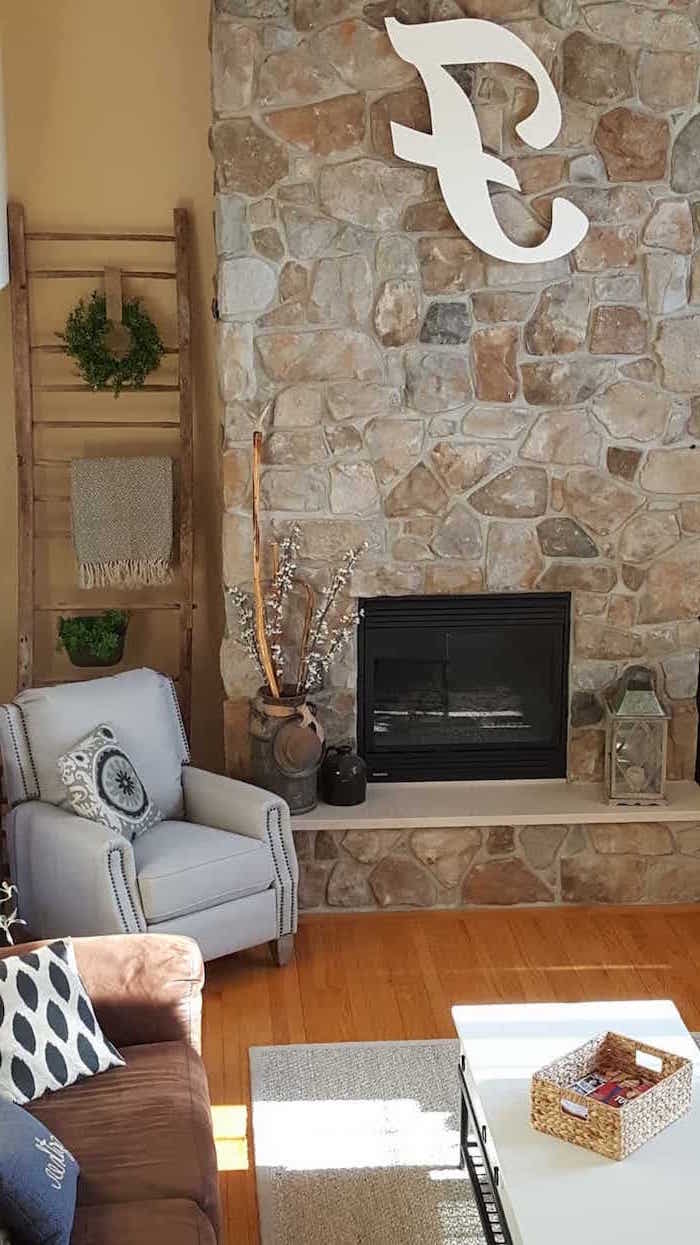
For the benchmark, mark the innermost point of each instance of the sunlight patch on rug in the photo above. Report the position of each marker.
(358, 1144)
(318, 1136)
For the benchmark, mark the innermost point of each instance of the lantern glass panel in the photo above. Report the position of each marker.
(638, 756)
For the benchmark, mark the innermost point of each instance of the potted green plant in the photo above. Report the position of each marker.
(94, 639)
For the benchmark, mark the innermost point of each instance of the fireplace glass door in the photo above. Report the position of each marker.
(464, 687)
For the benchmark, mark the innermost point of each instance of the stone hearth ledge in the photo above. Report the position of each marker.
(469, 845)
(424, 805)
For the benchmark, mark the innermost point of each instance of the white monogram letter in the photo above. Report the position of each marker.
(454, 148)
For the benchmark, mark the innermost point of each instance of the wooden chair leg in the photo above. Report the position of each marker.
(282, 950)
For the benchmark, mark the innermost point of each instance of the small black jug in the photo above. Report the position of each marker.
(343, 776)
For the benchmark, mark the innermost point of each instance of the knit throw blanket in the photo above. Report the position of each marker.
(122, 521)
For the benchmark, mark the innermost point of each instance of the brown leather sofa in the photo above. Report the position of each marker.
(143, 1133)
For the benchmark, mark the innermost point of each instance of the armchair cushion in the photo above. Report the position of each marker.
(182, 868)
(139, 705)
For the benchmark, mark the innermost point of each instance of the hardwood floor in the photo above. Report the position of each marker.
(369, 976)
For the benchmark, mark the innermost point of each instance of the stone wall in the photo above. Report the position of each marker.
(483, 426)
(633, 862)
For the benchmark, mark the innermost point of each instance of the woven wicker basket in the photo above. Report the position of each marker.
(612, 1131)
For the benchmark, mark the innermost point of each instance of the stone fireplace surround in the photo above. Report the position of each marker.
(483, 426)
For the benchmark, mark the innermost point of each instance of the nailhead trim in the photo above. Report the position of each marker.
(116, 851)
(18, 756)
(29, 751)
(181, 724)
(285, 887)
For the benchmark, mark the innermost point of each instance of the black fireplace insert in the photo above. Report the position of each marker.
(464, 687)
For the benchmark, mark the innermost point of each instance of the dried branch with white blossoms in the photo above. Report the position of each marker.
(241, 601)
(8, 919)
(326, 640)
(262, 621)
(324, 635)
(281, 587)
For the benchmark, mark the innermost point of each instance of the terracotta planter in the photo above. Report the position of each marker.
(286, 747)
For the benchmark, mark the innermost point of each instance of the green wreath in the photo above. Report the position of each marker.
(86, 341)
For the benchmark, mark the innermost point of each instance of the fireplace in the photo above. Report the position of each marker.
(470, 687)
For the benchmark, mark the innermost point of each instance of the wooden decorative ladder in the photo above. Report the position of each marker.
(59, 419)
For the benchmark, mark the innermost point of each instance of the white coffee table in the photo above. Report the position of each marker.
(536, 1190)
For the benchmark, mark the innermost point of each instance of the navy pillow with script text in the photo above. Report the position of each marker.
(38, 1179)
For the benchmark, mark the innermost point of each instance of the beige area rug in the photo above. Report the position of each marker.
(358, 1144)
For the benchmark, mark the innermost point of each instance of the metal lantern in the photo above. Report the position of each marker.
(637, 734)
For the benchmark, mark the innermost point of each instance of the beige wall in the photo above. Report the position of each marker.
(108, 110)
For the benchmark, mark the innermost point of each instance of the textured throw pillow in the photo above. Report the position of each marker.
(103, 785)
(38, 1180)
(49, 1035)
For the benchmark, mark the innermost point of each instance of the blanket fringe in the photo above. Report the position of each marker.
(126, 573)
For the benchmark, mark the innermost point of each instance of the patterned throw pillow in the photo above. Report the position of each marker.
(49, 1035)
(38, 1180)
(103, 785)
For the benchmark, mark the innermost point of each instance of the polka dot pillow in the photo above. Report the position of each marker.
(102, 784)
(49, 1035)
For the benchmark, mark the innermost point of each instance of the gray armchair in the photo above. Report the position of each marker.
(221, 867)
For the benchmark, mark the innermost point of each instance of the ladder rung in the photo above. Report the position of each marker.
(104, 423)
(99, 237)
(89, 389)
(64, 463)
(45, 348)
(82, 608)
(68, 273)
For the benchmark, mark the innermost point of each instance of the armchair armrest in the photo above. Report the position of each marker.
(228, 804)
(144, 988)
(74, 876)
